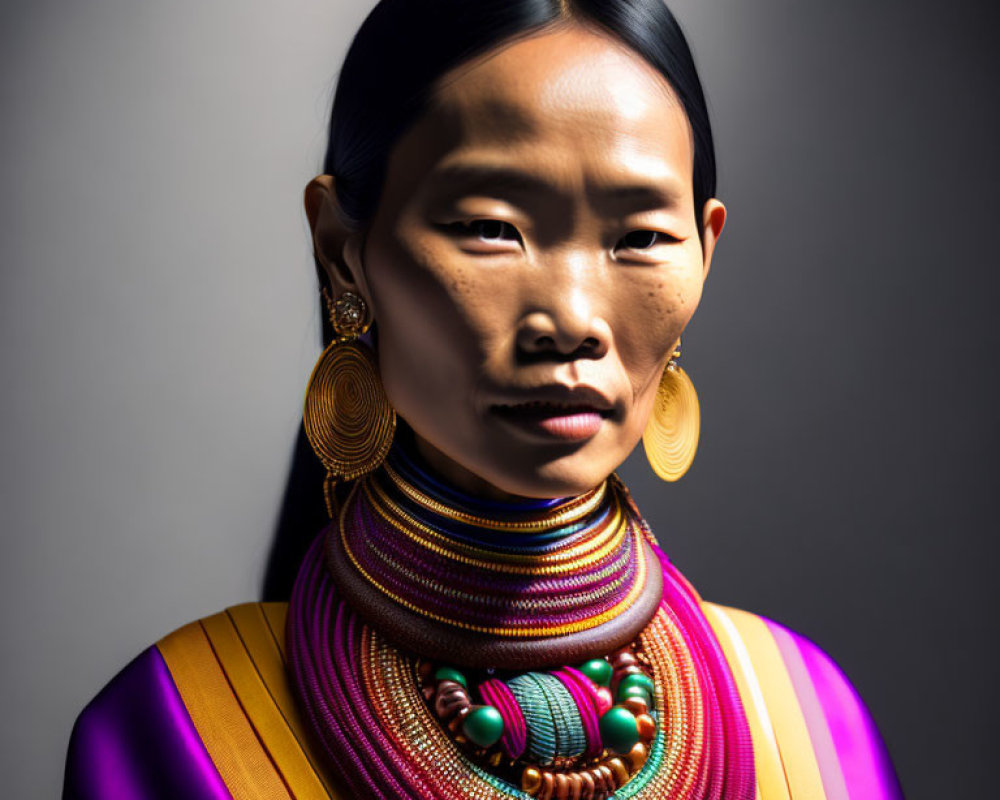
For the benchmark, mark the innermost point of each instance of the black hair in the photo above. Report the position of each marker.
(405, 46)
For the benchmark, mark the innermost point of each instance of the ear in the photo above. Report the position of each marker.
(712, 223)
(337, 240)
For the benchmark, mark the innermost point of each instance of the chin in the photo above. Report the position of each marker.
(561, 478)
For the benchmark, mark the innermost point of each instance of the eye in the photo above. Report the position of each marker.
(643, 240)
(490, 230)
(643, 246)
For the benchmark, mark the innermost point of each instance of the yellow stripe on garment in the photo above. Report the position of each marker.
(276, 615)
(771, 784)
(797, 756)
(284, 734)
(230, 739)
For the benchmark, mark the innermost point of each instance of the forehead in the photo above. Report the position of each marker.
(570, 104)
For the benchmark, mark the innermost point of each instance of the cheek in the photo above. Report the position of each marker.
(660, 308)
(436, 316)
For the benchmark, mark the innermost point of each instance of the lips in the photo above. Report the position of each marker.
(574, 419)
(541, 409)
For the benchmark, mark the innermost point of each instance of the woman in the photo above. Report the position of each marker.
(513, 230)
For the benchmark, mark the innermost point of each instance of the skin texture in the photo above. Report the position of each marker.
(489, 293)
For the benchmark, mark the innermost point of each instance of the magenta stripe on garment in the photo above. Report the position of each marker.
(864, 761)
(812, 710)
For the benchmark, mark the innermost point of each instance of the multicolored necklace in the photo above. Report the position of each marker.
(556, 734)
(424, 617)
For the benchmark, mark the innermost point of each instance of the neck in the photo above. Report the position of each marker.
(445, 569)
(449, 471)
(451, 477)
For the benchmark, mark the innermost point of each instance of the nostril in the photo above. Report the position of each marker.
(590, 343)
(545, 341)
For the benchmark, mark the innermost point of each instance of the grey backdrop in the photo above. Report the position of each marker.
(158, 325)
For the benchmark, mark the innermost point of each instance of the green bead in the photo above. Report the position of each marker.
(635, 691)
(635, 679)
(619, 730)
(483, 725)
(450, 674)
(598, 670)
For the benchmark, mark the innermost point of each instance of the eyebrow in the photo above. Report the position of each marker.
(506, 180)
(495, 179)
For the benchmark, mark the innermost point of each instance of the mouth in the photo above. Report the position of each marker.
(555, 420)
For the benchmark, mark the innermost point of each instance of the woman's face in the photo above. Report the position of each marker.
(533, 261)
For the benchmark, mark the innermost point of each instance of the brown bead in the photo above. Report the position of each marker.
(619, 770)
(628, 669)
(455, 725)
(547, 792)
(562, 787)
(601, 788)
(637, 756)
(623, 658)
(450, 699)
(595, 778)
(531, 781)
(608, 777)
(575, 785)
(636, 705)
(646, 726)
(587, 787)
(619, 675)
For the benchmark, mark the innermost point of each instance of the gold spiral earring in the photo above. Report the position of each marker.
(347, 416)
(671, 435)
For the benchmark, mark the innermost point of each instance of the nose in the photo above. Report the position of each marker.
(564, 319)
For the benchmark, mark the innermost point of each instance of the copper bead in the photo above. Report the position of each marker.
(646, 726)
(531, 781)
(547, 792)
(637, 756)
(636, 705)
(619, 770)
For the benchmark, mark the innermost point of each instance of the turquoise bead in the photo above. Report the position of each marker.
(635, 679)
(619, 730)
(483, 725)
(598, 670)
(450, 674)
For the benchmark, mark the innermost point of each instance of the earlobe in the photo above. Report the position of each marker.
(713, 221)
(352, 255)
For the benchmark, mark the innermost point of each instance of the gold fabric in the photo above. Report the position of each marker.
(230, 672)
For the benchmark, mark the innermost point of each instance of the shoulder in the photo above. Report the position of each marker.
(206, 712)
(812, 733)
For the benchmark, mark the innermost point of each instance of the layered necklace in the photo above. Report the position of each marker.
(443, 646)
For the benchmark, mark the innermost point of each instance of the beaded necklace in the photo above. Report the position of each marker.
(515, 573)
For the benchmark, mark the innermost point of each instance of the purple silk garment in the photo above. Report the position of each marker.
(136, 741)
(864, 761)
